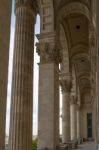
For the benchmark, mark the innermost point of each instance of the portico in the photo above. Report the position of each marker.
(68, 50)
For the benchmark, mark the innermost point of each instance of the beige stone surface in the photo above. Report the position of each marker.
(69, 38)
(78, 123)
(20, 137)
(73, 121)
(66, 117)
(48, 114)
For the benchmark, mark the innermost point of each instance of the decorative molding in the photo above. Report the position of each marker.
(48, 53)
(31, 5)
(74, 7)
(79, 56)
(65, 85)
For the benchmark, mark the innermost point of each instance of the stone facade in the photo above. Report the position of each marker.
(68, 48)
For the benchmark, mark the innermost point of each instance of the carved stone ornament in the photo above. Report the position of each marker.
(48, 53)
(32, 4)
(65, 85)
(74, 7)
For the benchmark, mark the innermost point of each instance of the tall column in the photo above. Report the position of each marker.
(48, 110)
(78, 123)
(73, 118)
(22, 82)
(65, 111)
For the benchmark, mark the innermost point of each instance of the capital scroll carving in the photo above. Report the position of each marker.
(48, 53)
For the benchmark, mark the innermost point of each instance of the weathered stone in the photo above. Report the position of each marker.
(22, 81)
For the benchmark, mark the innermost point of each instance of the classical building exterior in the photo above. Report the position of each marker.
(69, 57)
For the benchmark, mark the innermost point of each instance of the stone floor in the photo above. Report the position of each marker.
(87, 146)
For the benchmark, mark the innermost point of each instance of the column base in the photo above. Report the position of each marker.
(64, 146)
(57, 148)
(80, 141)
(69, 145)
(73, 144)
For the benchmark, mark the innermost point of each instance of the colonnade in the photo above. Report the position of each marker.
(70, 115)
(22, 88)
(20, 137)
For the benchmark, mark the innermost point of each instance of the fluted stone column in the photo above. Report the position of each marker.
(78, 123)
(73, 118)
(48, 110)
(22, 82)
(65, 85)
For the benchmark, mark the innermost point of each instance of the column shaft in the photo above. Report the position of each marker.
(48, 120)
(22, 82)
(73, 121)
(78, 124)
(66, 118)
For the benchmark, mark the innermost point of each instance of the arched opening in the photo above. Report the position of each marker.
(76, 28)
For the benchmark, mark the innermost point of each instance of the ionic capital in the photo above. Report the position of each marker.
(48, 53)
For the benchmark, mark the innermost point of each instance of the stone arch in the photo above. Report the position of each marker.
(74, 7)
(65, 54)
(79, 55)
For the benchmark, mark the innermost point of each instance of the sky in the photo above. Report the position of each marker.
(36, 60)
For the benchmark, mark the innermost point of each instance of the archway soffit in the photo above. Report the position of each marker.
(78, 56)
(71, 8)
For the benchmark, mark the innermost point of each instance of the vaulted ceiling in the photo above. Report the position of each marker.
(76, 28)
